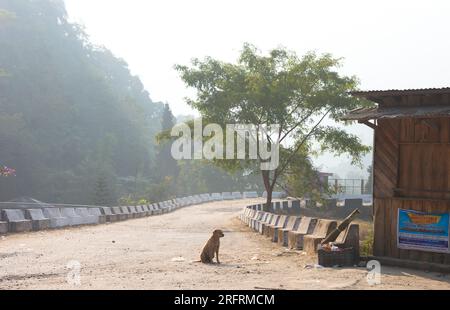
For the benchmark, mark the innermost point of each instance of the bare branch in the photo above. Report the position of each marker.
(286, 163)
(296, 125)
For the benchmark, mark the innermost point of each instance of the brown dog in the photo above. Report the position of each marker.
(211, 248)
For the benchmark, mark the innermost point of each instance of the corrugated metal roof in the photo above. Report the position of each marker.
(399, 92)
(364, 114)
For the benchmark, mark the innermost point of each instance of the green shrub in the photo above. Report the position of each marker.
(367, 244)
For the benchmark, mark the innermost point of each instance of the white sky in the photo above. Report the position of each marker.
(387, 44)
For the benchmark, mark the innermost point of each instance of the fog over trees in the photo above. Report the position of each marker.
(76, 125)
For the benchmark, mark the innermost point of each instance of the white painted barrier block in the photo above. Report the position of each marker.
(87, 217)
(250, 195)
(236, 195)
(74, 219)
(57, 220)
(216, 196)
(227, 196)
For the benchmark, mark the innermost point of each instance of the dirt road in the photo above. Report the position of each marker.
(158, 253)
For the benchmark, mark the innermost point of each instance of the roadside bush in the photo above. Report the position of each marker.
(367, 244)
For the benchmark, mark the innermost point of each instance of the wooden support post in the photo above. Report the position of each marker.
(367, 123)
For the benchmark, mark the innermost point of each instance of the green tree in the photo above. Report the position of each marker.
(301, 179)
(60, 98)
(196, 177)
(303, 95)
(102, 193)
(165, 164)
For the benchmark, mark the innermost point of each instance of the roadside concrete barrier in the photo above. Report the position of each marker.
(169, 206)
(264, 218)
(294, 207)
(174, 206)
(253, 217)
(110, 216)
(152, 209)
(275, 195)
(133, 212)
(300, 233)
(276, 206)
(242, 216)
(101, 219)
(250, 195)
(273, 222)
(198, 199)
(189, 200)
(86, 216)
(178, 202)
(74, 218)
(272, 230)
(323, 228)
(146, 210)
(256, 216)
(16, 220)
(140, 210)
(3, 227)
(38, 220)
(162, 206)
(296, 237)
(291, 225)
(236, 195)
(267, 217)
(353, 203)
(227, 196)
(118, 211)
(216, 196)
(266, 221)
(155, 209)
(57, 220)
(46, 216)
(126, 212)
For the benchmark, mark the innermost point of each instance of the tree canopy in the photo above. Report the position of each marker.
(305, 96)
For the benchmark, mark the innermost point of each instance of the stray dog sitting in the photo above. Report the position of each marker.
(211, 248)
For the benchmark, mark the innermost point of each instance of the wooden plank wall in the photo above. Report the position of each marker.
(424, 160)
(386, 158)
(412, 172)
(386, 216)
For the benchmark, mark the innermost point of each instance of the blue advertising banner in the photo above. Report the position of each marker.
(423, 231)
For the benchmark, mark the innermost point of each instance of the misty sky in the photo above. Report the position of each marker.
(386, 44)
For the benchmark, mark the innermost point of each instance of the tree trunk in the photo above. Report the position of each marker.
(269, 189)
(268, 200)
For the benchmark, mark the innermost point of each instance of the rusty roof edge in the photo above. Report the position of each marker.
(396, 92)
(396, 112)
(354, 117)
(361, 109)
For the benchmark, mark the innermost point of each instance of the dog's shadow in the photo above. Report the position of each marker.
(223, 265)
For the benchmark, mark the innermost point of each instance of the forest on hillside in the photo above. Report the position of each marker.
(77, 126)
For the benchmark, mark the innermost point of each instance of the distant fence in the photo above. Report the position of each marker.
(350, 186)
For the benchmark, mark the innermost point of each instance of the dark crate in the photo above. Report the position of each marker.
(345, 257)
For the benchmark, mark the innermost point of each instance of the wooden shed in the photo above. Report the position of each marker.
(411, 164)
